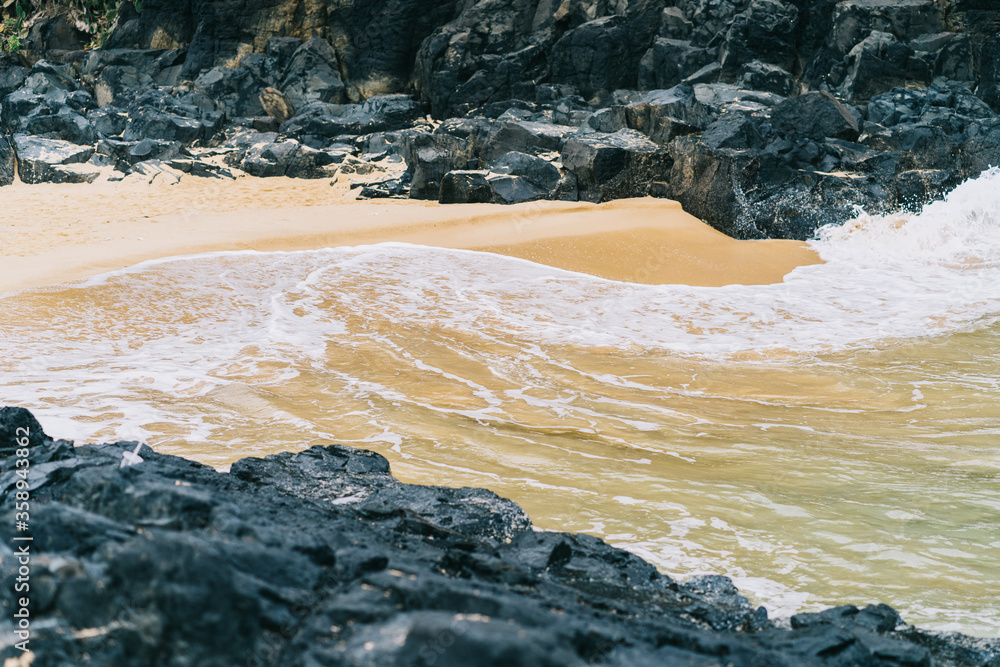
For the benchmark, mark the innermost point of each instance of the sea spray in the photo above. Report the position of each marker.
(827, 439)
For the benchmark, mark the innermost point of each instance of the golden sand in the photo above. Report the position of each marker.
(53, 233)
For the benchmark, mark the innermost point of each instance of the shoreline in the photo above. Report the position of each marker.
(58, 233)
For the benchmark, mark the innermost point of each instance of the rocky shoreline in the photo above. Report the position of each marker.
(322, 558)
(762, 117)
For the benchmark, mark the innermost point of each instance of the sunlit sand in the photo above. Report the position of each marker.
(54, 233)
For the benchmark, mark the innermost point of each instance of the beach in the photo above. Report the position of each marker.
(54, 233)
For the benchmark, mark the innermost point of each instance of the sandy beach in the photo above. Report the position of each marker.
(55, 233)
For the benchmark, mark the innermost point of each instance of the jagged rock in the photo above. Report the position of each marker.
(989, 83)
(733, 130)
(610, 119)
(7, 161)
(878, 63)
(156, 115)
(55, 33)
(465, 187)
(670, 61)
(12, 74)
(611, 166)
(234, 91)
(758, 75)
(43, 160)
(429, 157)
(853, 20)
(154, 171)
(117, 85)
(525, 137)
(592, 57)
(815, 115)
(765, 31)
(313, 75)
(319, 122)
(287, 158)
(276, 105)
(321, 557)
(981, 150)
(108, 121)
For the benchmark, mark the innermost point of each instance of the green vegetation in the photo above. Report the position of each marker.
(98, 17)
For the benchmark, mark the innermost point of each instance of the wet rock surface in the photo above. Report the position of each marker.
(767, 118)
(322, 558)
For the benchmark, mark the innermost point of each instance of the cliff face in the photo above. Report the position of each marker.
(765, 118)
(376, 42)
(458, 54)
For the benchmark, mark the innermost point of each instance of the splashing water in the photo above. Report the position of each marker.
(826, 440)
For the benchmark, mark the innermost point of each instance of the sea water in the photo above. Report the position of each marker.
(831, 439)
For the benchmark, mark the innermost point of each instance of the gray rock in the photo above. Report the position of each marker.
(525, 137)
(7, 161)
(758, 75)
(592, 57)
(40, 160)
(234, 91)
(765, 31)
(612, 166)
(668, 62)
(429, 157)
(465, 187)
(313, 75)
(815, 115)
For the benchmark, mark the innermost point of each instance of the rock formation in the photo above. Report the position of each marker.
(767, 118)
(322, 558)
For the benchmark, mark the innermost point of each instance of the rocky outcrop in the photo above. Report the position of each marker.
(322, 558)
(764, 117)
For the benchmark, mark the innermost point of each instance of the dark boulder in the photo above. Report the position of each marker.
(670, 61)
(64, 124)
(465, 187)
(313, 75)
(108, 121)
(853, 20)
(118, 85)
(733, 130)
(593, 57)
(157, 115)
(613, 166)
(758, 75)
(52, 161)
(7, 160)
(989, 83)
(765, 31)
(429, 157)
(525, 137)
(236, 92)
(12, 74)
(815, 115)
(878, 63)
(322, 557)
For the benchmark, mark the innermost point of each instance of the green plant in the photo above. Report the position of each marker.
(98, 16)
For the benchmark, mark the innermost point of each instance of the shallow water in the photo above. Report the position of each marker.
(831, 439)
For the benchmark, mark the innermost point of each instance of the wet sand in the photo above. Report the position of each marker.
(54, 233)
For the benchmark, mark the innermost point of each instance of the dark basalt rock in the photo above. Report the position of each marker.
(52, 160)
(815, 116)
(613, 166)
(7, 160)
(322, 558)
(530, 77)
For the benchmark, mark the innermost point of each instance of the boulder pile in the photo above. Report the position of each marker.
(766, 118)
(322, 558)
